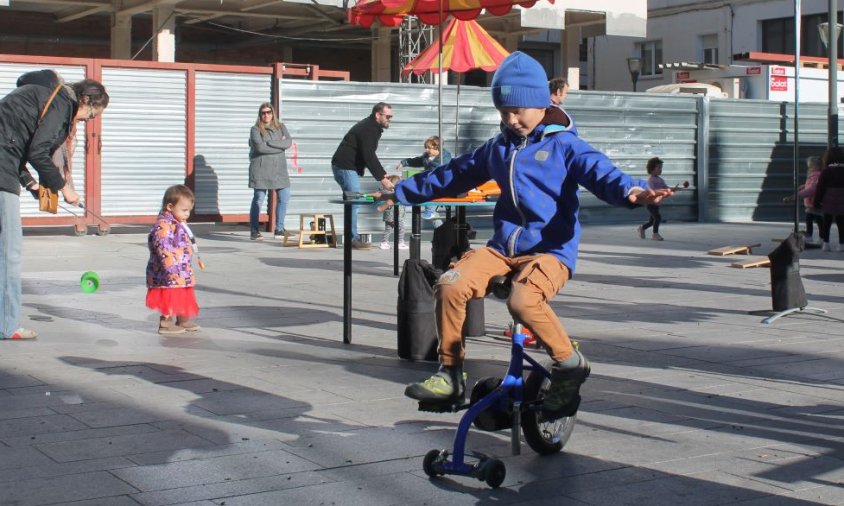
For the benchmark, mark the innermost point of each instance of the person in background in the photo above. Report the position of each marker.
(655, 182)
(433, 156)
(807, 193)
(268, 141)
(829, 197)
(559, 88)
(35, 119)
(356, 153)
(390, 227)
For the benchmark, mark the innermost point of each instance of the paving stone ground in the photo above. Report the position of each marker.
(691, 401)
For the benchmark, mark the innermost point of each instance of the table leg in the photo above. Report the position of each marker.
(462, 229)
(396, 239)
(347, 273)
(416, 233)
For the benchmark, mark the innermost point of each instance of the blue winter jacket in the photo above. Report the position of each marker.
(539, 178)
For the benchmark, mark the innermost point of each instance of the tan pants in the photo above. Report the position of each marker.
(537, 280)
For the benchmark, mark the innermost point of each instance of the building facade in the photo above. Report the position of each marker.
(703, 31)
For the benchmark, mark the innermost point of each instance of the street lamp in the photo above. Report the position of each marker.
(634, 65)
(831, 43)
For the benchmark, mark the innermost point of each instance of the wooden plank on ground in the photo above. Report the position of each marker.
(745, 249)
(751, 263)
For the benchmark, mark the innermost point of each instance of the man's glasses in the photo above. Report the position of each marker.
(388, 116)
(266, 112)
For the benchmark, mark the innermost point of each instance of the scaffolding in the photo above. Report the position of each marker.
(414, 37)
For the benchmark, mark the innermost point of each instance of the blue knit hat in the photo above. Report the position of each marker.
(519, 82)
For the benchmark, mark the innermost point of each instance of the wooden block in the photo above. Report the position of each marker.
(751, 263)
(745, 249)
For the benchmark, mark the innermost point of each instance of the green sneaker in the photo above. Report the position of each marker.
(563, 396)
(447, 385)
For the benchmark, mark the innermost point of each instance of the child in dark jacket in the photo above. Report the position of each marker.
(829, 197)
(539, 163)
(433, 156)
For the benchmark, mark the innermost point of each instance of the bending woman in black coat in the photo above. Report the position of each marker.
(35, 119)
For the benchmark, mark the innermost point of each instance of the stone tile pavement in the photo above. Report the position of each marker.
(692, 401)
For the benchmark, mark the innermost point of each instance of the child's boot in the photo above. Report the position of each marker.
(448, 385)
(657, 237)
(563, 396)
(166, 326)
(188, 325)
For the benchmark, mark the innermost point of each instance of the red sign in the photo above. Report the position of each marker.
(753, 71)
(777, 71)
(681, 76)
(779, 83)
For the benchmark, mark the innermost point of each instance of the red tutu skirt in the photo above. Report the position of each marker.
(173, 301)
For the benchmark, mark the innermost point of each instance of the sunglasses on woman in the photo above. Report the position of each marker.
(266, 112)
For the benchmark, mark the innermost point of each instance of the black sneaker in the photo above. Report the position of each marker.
(256, 236)
(563, 396)
(358, 244)
(279, 235)
(447, 385)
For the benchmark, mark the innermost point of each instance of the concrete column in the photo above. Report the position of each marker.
(381, 55)
(571, 57)
(121, 36)
(511, 42)
(164, 41)
(121, 32)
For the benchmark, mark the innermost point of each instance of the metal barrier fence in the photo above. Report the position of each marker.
(170, 123)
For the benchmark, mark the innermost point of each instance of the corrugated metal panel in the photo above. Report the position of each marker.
(751, 150)
(318, 115)
(629, 128)
(226, 108)
(9, 73)
(143, 138)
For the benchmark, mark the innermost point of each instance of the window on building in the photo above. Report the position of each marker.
(709, 48)
(651, 54)
(778, 36)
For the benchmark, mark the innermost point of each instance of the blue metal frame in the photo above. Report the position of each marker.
(509, 390)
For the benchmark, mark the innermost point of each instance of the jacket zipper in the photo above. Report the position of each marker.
(511, 246)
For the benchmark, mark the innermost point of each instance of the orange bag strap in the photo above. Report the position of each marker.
(49, 101)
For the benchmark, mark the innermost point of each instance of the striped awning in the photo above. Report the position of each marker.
(466, 46)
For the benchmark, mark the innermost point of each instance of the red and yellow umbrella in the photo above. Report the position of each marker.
(431, 12)
(465, 46)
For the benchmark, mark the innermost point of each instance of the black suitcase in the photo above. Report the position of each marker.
(417, 322)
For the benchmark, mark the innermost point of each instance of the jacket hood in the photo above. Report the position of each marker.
(555, 120)
(46, 78)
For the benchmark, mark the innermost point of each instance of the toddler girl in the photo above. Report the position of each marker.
(170, 277)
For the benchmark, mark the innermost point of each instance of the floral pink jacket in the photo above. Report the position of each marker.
(807, 190)
(170, 254)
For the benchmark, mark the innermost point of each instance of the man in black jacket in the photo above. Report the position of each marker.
(35, 119)
(356, 152)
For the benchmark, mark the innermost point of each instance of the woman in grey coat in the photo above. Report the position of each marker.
(268, 140)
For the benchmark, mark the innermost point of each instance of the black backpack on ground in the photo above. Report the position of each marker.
(417, 322)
